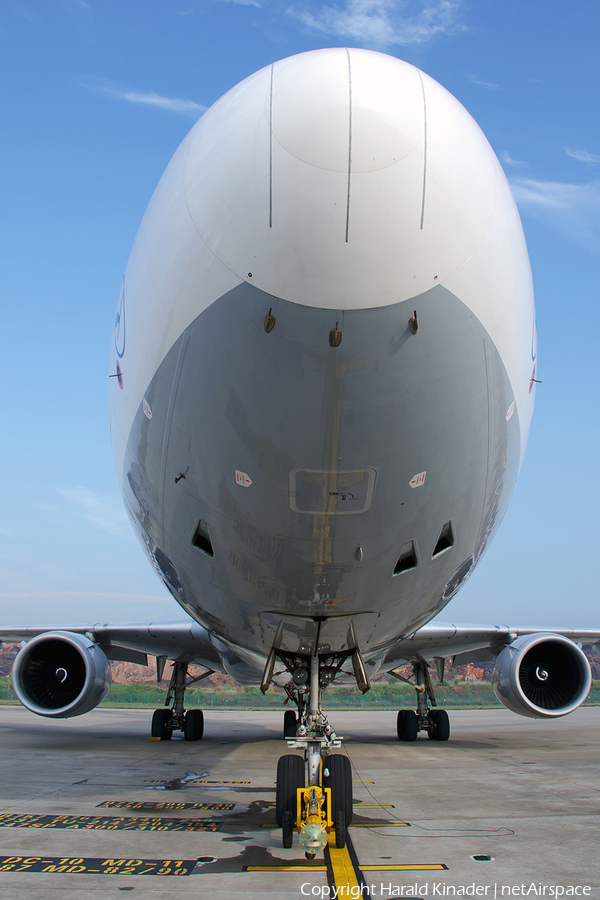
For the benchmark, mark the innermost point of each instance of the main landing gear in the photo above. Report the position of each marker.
(434, 721)
(314, 790)
(167, 720)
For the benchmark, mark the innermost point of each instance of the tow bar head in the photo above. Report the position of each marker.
(313, 838)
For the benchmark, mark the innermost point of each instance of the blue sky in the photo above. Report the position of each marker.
(95, 98)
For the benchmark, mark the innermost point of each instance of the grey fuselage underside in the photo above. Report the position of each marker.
(330, 437)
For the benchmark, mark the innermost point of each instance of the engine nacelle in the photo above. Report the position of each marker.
(61, 674)
(542, 676)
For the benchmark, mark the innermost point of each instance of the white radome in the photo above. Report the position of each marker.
(343, 179)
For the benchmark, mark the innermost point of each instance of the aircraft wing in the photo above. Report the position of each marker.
(470, 643)
(189, 642)
(179, 641)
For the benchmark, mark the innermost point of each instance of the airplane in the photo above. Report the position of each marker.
(322, 377)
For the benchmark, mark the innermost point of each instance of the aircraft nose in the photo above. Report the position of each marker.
(345, 114)
(340, 179)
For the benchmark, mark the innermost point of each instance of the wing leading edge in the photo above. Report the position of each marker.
(471, 643)
(185, 642)
(188, 642)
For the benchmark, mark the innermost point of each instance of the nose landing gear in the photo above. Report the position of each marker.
(314, 791)
(314, 810)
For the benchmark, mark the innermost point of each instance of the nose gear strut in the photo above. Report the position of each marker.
(314, 791)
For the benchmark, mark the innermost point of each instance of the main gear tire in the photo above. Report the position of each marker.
(162, 724)
(193, 725)
(407, 725)
(439, 729)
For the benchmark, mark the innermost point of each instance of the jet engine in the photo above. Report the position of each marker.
(542, 676)
(61, 674)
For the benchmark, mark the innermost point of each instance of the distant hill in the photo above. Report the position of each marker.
(130, 673)
(125, 673)
(7, 656)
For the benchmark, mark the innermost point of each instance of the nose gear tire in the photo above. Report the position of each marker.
(289, 723)
(340, 782)
(290, 777)
(287, 837)
(340, 830)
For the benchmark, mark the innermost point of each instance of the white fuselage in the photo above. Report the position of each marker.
(275, 476)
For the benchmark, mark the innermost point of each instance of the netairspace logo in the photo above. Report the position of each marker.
(439, 889)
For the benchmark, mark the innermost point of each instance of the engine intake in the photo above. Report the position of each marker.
(542, 676)
(61, 674)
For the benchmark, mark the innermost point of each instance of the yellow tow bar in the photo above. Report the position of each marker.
(313, 817)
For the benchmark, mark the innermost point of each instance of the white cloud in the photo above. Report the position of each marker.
(385, 22)
(583, 156)
(192, 12)
(103, 511)
(147, 98)
(487, 84)
(573, 208)
(556, 195)
(507, 159)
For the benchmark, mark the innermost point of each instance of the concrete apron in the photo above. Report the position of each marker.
(519, 794)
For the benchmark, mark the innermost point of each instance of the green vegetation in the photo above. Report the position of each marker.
(458, 695)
